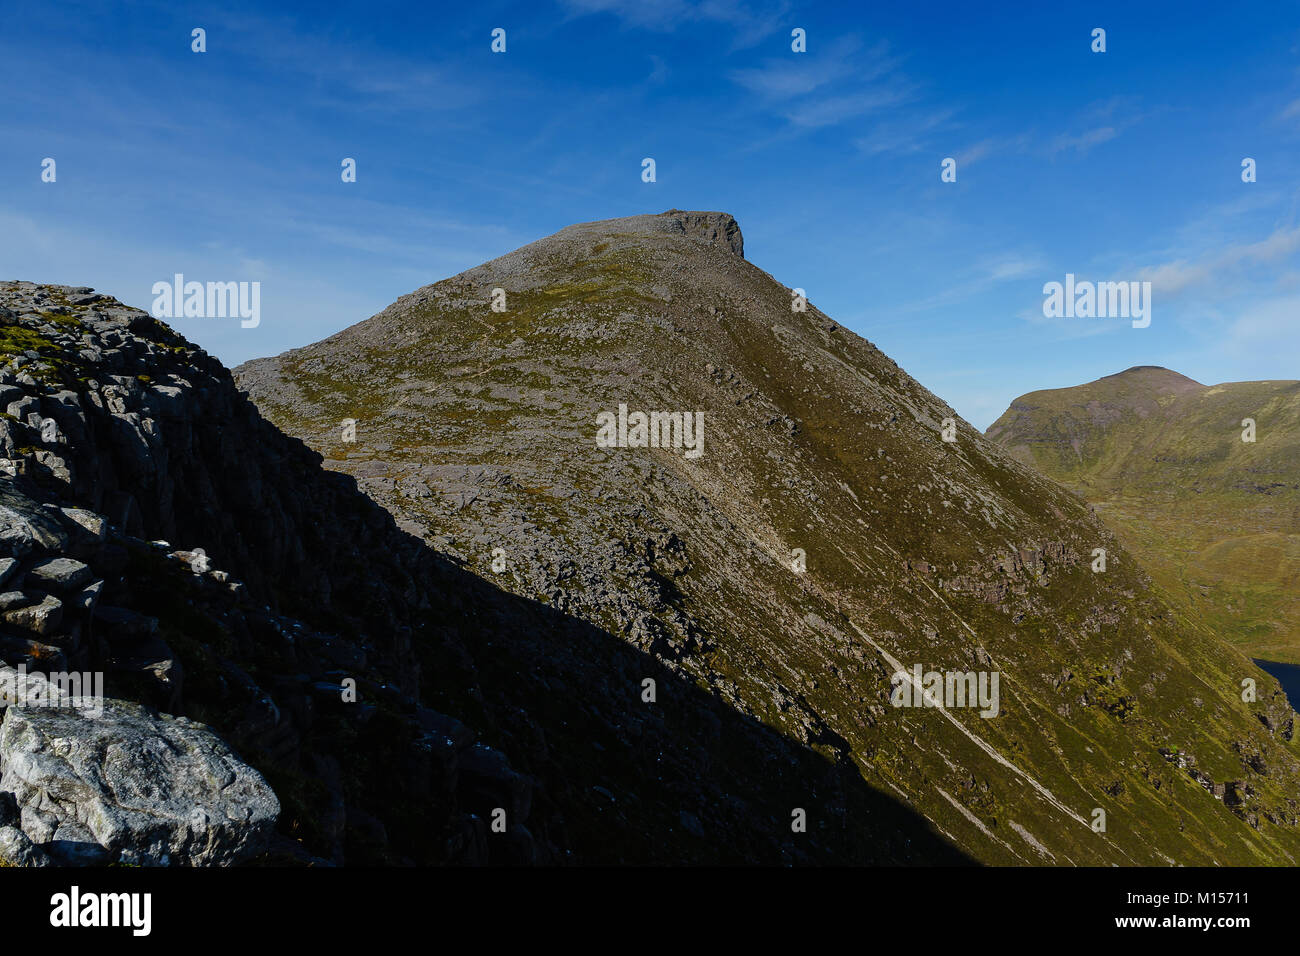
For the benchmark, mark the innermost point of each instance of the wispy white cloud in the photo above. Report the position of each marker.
(990, 146)
(658, 70)
(940, 129)
(1179, 275)
(1082, 142)
(908, 134)
(1013, 267)
(1103, 121)
(751, 22)
(832, 110)
(978, 279)
(784, 77)
(347, 72)
(843, 82)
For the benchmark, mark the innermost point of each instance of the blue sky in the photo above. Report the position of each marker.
(1123, 165)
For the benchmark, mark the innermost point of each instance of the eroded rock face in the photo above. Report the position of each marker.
(718, 228)
(24, 526)
(131, 785)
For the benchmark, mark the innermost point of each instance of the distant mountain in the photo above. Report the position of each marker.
(1162, 458)
(816, 536)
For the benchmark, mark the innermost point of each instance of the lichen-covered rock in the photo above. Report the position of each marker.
(148, 788)
(17, 849)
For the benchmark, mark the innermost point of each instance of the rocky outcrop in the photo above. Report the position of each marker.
(114, 782)
(116, 437)
(718, 228)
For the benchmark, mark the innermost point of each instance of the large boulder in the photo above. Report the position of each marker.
(25, 525)
(148, 788)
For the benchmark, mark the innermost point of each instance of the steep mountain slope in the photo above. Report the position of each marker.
(1214, 518)
(826, 537)
(403, 709)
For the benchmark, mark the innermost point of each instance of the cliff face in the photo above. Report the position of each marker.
(713, 228)
(831, 524)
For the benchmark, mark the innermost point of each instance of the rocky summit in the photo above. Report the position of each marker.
(783, 604)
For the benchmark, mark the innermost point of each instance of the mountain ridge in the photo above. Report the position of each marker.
(399, 707)
(828, 529)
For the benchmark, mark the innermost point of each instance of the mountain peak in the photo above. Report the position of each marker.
(626, 424)
(719, 228)
(1156, 375)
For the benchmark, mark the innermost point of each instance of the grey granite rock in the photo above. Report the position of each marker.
(24, 525)
(59, 574)
(148, 788)
(17, 849)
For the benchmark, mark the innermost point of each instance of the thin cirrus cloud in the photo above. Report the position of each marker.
(1082, 142)
(1013, 268)
(750, 23)
(843, 83)
(1177, 276)
(342, 72)
(910, 134)
(833, 110)
(936, 132)
(985, 148)
(1266, 327)
(982, 277)
(1102, 122)
(783, 78)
